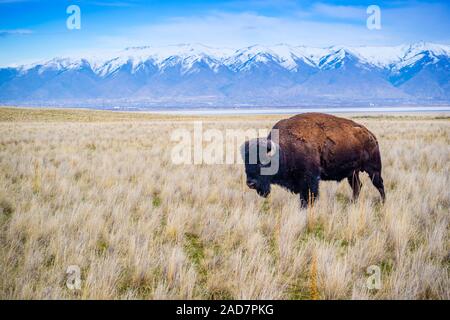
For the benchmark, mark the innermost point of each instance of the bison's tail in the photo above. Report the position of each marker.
(373, 168)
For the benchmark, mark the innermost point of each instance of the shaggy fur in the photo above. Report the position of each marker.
(314, 147)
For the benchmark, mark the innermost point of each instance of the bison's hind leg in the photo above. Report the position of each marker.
(355, 184)
(377, 181)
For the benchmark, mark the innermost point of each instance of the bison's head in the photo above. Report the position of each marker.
(258, 154)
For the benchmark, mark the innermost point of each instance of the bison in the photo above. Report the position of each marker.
(313, 147)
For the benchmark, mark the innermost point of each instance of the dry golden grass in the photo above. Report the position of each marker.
(98, 190)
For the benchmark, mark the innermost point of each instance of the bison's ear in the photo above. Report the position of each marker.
(267, 150)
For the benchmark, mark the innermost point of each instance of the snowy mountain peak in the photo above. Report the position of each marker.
(257, 74)
(287, 56)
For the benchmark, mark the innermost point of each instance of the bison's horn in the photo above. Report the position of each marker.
(273, 149)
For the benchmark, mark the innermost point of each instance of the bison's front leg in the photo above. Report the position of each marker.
(309, 191)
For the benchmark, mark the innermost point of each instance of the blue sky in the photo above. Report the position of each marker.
(33, 30)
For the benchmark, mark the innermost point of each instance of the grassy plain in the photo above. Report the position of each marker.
(99, 190)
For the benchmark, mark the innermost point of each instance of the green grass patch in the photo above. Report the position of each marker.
(386, 266)
(194, 248)
(91, 146)
(101, 246)
(156, 200)
(299, 290)
(6, 209)
(142, 286)
(265, 208)
(317, 230)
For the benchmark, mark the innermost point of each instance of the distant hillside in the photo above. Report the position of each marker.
(196, 75)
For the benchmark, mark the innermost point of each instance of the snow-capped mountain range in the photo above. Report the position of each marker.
(198, 75)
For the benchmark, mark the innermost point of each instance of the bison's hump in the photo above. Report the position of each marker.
(326, 133)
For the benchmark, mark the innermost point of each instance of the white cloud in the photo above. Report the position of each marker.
(5, 33)
(341, 12)
(316, 25)
(241, 29)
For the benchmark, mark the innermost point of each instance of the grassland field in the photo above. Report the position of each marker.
(98, 190)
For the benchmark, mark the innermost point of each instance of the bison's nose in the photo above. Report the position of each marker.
(251, 184)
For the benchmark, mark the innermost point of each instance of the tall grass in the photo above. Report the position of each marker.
(106, 197)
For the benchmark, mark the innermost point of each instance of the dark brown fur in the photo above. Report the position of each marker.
(316, 146)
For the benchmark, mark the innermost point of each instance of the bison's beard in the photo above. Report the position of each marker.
(263, 190)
